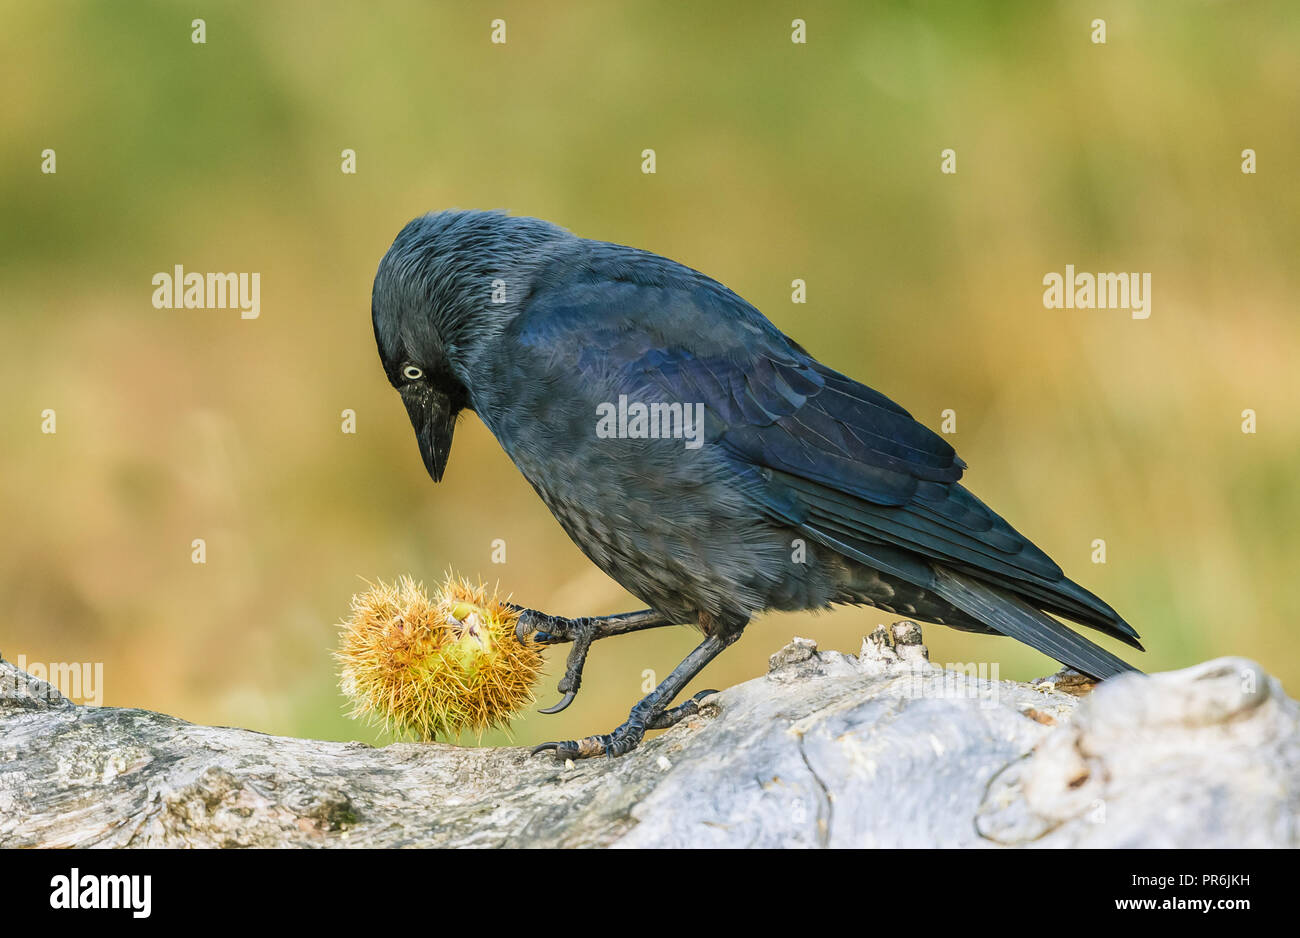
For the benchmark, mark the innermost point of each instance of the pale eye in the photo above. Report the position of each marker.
(412, 373)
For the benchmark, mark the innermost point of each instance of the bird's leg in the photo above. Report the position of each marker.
(674, 715)
(651, 712)
(552, 630)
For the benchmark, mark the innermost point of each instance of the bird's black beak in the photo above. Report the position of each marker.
(434, 422)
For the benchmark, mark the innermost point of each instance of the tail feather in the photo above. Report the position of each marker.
(999, 609)
(1014, 617)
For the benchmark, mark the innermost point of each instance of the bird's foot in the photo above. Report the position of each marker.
(544, 629)
(623, 740)
(552, 630)
(628, 736)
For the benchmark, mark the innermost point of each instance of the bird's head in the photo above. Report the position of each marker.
(433, 399)
(443, 291)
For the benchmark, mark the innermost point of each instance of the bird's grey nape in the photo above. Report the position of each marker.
(453, 278)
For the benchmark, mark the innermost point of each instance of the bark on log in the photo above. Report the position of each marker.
(881, 749)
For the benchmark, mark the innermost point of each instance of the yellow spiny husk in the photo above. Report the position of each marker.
(434, 667)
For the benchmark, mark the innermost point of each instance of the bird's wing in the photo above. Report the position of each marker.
(814, 448)
(690, 339)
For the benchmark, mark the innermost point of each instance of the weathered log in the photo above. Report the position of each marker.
(827, 749)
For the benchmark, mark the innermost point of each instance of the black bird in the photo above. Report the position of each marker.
(798, 489)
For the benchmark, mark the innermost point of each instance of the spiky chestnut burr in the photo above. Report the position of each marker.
(434, 667)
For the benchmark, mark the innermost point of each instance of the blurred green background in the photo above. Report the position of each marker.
(775, 161)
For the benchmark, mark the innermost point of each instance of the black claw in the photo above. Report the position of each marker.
(539, 629)
(624, 739)
(663, 719)
(569, 749)
(564, 702)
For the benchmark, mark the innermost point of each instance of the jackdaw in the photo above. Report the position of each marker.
(696, 454)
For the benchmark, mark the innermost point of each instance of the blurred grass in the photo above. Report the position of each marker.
(775, 161)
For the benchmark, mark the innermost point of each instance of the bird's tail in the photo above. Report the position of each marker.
(995, 607)
(1014, 617)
